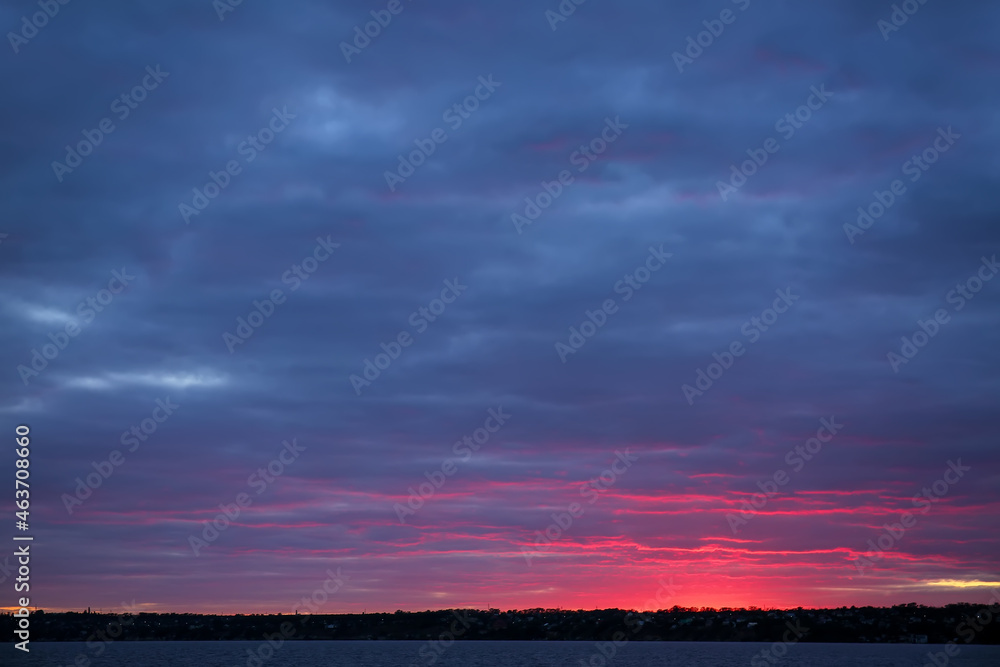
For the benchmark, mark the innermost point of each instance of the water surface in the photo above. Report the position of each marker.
(489, 654)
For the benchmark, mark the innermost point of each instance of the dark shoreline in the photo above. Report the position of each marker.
(900, 624)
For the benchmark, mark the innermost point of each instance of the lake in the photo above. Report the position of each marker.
(493, 654)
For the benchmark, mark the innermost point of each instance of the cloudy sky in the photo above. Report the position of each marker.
(214, 219)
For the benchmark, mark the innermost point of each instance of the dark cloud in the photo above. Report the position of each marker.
(323, 177)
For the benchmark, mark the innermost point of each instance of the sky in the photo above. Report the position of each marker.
(509, 305)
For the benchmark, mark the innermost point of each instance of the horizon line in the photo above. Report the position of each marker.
(12, 610)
